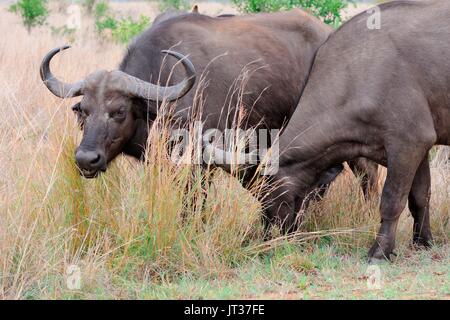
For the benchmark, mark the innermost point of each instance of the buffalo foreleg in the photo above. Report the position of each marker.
(403, 163)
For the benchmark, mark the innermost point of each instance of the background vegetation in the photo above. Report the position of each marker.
(327, 10)
(123, 29)
(32, 12)
(136, 233)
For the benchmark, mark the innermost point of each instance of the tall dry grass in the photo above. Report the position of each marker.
(144, 221)
(137, 218)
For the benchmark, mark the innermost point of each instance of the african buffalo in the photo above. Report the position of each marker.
(118, 106)
(380, 94)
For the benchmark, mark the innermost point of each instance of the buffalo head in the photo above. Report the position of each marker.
(106, 112)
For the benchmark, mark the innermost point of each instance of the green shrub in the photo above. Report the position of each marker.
(105, 23)
(33, 12)
(103, 17)
(101, 9)
(121, 30)
(256, 6)
(127, 29)
(174, 4)
(328, 11)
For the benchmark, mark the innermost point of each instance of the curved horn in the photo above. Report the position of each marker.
(57, 87)
(146, 90)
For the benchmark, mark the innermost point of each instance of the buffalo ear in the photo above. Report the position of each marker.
(328, 176)
(195, 9)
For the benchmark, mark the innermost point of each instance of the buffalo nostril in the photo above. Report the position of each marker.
(89, 160)
(95, 160)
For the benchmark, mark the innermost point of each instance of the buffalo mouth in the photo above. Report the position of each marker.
(90, 174)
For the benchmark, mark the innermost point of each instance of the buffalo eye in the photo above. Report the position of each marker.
(77, 108)
(119, 114)
(80, 115)
(80, 112)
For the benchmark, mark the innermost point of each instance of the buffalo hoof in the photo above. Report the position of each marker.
(376, 261)
(377, 254)
(423, 242)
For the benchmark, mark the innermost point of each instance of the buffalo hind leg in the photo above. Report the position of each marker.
(419, 205)
(368, 171)
(403, 164)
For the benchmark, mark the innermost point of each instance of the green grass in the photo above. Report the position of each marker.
(311, 272)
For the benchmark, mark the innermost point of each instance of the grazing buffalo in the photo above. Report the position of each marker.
(118, 106)
(380, 94)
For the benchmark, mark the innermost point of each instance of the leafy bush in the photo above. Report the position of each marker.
(327, 10)
(101, 9)
(174, 4)
(120, 30)
(105, 23)
(256, 6)
(33, 12)
(127, 29)
(103, 17)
